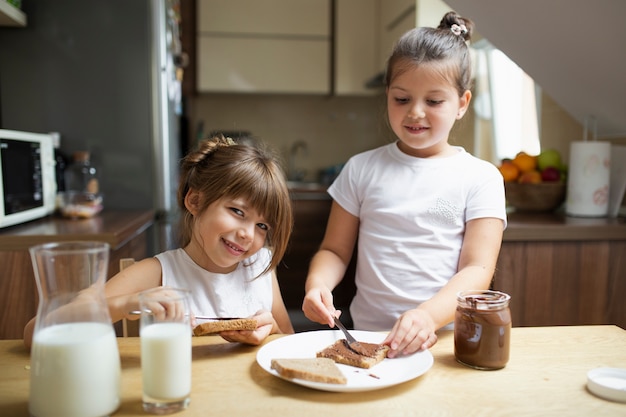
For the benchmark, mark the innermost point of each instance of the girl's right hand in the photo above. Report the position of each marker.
(164, 304)
(318, 306)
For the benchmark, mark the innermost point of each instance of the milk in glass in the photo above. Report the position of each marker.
(166, 361)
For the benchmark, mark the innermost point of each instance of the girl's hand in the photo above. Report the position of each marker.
(413, 331)
(265, 324)
(318, 306)
(164, 304)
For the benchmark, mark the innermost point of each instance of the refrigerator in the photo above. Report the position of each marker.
(105, 75)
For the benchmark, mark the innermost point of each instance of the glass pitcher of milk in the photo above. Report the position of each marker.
(75, 364)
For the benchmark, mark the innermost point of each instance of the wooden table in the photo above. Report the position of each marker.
(546, 376)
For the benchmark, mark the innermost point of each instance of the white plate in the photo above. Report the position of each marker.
(306, 344)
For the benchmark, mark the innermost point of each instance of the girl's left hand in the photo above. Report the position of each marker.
(413, 331)
(265, 323)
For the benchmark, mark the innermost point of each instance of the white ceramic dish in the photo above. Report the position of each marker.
(385, 374)
(608, 383)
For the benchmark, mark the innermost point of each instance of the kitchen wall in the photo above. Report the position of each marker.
(337, 127)
(334, 128)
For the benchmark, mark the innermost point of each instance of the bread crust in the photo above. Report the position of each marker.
(310, 369)
(216, 326)
(340, 352)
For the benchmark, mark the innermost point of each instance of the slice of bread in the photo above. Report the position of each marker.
(340, 352)
(216, 326)
(310, 369)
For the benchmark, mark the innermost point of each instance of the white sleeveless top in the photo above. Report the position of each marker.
(236, 294)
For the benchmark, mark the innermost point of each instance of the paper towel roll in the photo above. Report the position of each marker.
(588, 179)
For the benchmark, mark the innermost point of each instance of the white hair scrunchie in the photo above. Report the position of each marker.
(459, 30)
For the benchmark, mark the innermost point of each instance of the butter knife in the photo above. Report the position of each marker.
(353, 344)
(138, 313)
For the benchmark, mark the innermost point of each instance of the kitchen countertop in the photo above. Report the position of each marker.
(115, 227)
(559, 227)
(546, 376)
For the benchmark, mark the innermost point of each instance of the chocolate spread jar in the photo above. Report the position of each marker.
(482, 329)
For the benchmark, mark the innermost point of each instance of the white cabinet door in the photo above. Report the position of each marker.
(396, 18)
(271, 17)
(263, 66)
(264, 46)
(356, 46)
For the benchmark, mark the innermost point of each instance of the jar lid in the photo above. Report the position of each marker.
(608, 383)
(483, 299)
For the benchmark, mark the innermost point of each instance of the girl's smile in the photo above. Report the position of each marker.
(234, 248)
(416, 129)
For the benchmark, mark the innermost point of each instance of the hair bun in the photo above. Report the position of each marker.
(458, 25)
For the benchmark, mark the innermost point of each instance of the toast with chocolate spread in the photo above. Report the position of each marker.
(340, 352)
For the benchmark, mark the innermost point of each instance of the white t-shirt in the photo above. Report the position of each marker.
(236, 294)
(412, 215)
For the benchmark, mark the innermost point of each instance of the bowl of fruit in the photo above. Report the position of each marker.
(534, 182)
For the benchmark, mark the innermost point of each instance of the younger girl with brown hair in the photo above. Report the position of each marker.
(235, 226)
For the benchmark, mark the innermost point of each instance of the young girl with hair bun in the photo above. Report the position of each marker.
(429, 217)
(235, 226)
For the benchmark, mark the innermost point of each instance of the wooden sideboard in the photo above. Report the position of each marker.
(563, 270)
(124, 231)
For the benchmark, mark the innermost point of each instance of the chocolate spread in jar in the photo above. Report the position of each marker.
(482, 329)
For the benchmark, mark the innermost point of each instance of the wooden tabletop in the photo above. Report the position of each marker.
(546, 376)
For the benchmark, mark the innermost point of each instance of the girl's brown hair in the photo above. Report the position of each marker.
(220, 168)
(443, 47)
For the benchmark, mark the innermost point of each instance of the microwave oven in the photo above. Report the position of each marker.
(27, 176)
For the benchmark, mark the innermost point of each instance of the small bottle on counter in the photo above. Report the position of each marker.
(80, 175)
(482, 329)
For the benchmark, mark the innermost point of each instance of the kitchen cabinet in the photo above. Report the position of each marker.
(125, 231)
(399, 16)
(396, 18)
(355, 46)
(276, 46)
(11, 15)
(301, 46)
(311, 210)
(563, 270)
(365, 33)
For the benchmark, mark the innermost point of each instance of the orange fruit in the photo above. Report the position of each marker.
(530, 177)
(510, 171)
(525, 162)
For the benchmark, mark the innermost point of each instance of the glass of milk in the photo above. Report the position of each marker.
(165, 333)
(75, 364)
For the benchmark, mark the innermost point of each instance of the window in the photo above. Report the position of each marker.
(506, 106)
